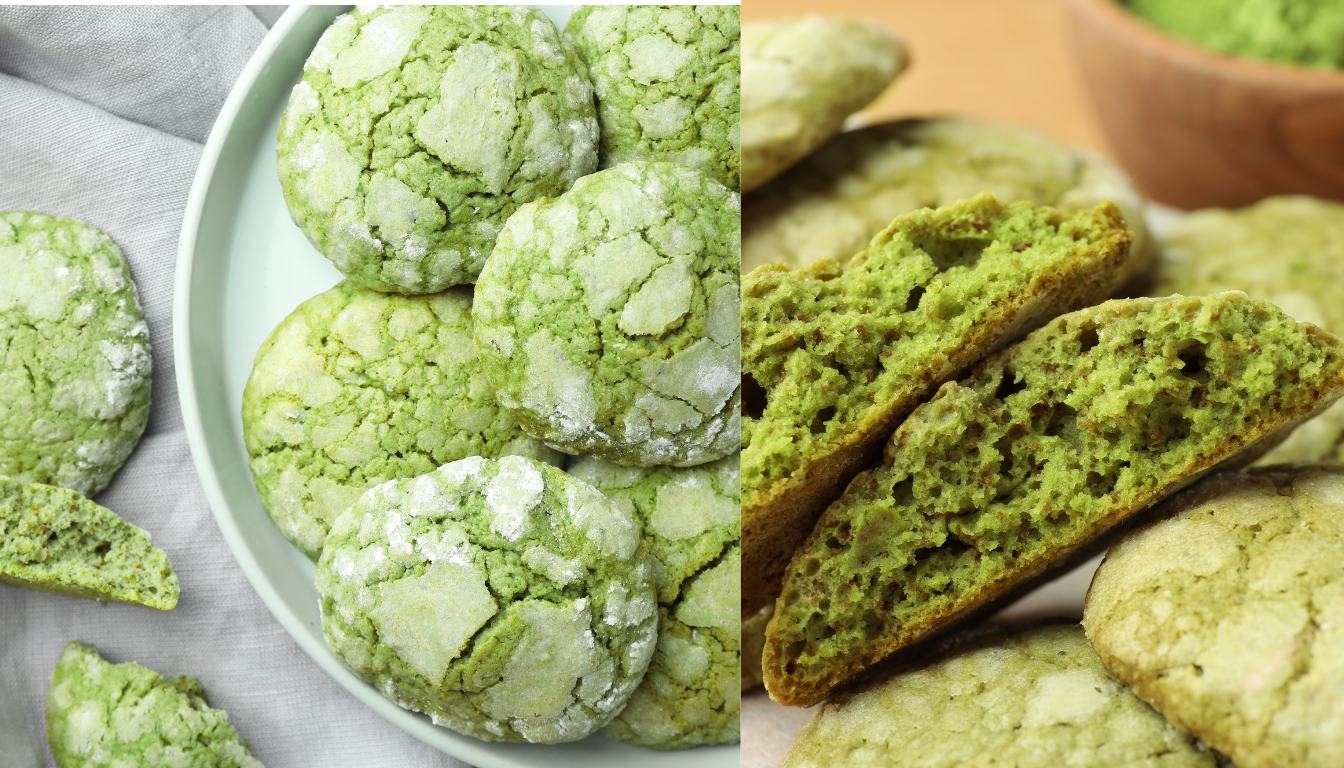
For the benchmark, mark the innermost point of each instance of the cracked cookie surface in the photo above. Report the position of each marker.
(103, 714)
(835, 200)
(666, 79)
(607, 319)
(74, 354)
(693, 523)
(505, 599)
(1027, 697)
(357, 387)
(417, 130)
(1224, 612)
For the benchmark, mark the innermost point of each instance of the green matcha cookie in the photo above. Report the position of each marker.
(833, 202)
(803, 77)
(692, 523)
(56, 540)
(357, 387)
(1044, 447)
(417, 130)
(1033, 697)
(102, 715)
(1288, 251)
(834, 357)
(607, 318)
(1223, 612)
(666, 79)
(505, 599)
(74, 354)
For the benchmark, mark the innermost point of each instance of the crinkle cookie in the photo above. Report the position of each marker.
(1223, 612)
(1040, 450)
(834, 201)
(835, 357)
(505, 599)
(74, 354)
(102, 715)
(1288, 251)
(666, 79)
(358, 387)
(417, 130)
(692, 523)
(55, 540)
(1028, 697)
(803, 77)
(607, 319)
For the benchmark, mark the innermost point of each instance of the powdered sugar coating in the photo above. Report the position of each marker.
(504, 599)
(74, 354)
(358, 387)
(607, 318)
(667, 82)
(416, 131)
(693, 525)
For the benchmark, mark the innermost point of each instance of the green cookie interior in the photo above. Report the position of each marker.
(1042, 448)
(834, 356)
(55, 540)
(1286, 250)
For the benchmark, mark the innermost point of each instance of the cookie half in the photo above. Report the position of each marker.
(1029, 697)
(74, 354)
(103, 714)
(1041, 449)
(55, 540)
(1223, 612)
(834, 357)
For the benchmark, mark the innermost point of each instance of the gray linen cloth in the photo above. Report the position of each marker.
(104, 112)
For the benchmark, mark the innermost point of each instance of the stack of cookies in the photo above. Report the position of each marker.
(408, 430)
(941, 408)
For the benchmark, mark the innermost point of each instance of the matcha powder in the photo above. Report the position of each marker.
(1305, 32)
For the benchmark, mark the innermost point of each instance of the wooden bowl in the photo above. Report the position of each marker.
(1196, 128)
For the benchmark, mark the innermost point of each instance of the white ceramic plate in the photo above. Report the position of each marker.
(242, 267)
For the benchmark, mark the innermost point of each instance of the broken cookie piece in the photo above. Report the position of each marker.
(1044, 447)
(103, 714)
(55, 540)
(834, 357)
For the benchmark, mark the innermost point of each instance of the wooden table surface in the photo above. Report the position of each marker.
(1006, 60)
